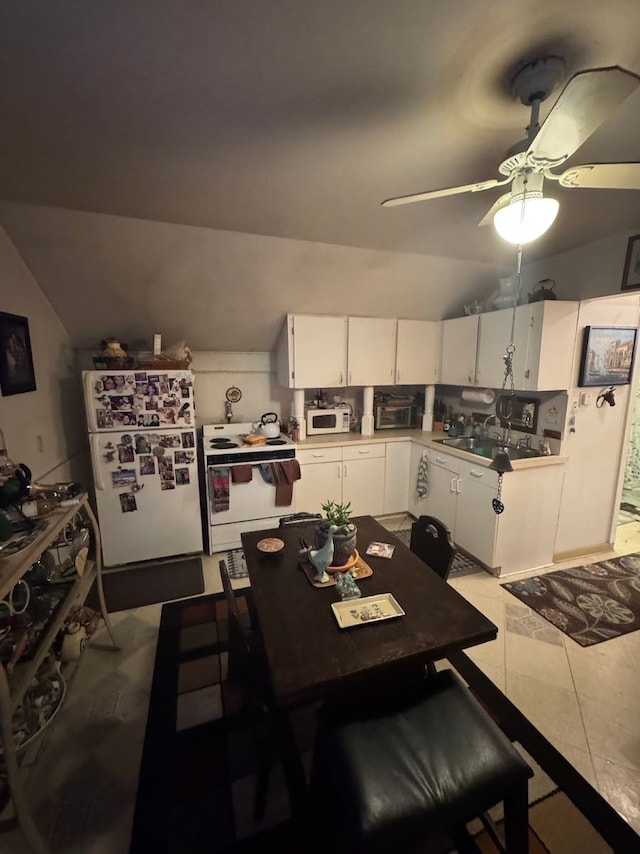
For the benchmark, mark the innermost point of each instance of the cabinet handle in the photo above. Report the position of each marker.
(476, 473)
(398, 377)
(441, 460)
(318, 456)
(364, 452)
(470, 379)
(341, 375)
(339, 471)
(345, 469)
(452, 487)
(459, 486)
(527, 373)
(349, 377)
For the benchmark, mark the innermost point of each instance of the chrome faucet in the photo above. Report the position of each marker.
(483, 429)
(525, 442)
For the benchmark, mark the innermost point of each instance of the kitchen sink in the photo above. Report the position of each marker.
(486, 447)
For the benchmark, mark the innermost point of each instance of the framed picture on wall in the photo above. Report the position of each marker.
(631, 275)
(607, 355)
(16, 361)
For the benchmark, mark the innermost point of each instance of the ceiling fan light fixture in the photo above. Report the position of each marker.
(525, 219)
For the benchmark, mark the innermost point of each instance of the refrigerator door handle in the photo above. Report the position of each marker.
(89, 401)
(96, 461)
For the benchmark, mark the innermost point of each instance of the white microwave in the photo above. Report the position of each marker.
(328, 420)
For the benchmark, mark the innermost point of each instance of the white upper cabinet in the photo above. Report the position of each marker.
(371, 351)
(417, 352)
(553, 326)
(458, 351)
(544, 338)
(312, 352)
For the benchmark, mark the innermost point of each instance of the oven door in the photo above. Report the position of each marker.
(239, 502)
(393, 417)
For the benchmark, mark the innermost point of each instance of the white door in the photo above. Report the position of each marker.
(417, 352)
(147, 494)
(372, 351)
(319, 345)
(458, 351)
(396, 477)
(442, 497)
(363, 486)
(319, 483)
(476, 521)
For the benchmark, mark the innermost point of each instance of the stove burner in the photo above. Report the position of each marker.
(275, 442)
(221, 444)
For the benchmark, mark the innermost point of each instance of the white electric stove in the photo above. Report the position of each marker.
(231, 507)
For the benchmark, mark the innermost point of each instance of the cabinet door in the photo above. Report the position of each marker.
(552, 329)
(372, 351)
(417, 352)
(396, 477)
(494, 335)
(458, 351)
(319, 483)
(363, 486)
(442, 497)
(320, 351)
(476, 522)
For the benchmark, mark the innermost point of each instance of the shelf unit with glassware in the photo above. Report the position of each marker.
(14, 684)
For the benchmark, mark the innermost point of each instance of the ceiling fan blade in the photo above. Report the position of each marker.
(587, 101)
(447, 191)
(487, 219)
(605, 176)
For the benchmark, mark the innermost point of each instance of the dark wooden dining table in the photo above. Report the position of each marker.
(310, 657)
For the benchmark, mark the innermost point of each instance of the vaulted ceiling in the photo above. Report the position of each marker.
(293, 119)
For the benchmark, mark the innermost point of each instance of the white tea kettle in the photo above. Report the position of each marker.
(267, 426)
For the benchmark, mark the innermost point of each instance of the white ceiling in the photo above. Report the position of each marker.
(294, 118)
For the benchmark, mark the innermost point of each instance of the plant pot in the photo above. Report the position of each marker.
(343, 544)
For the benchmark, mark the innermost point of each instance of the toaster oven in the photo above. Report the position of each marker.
(395, 416)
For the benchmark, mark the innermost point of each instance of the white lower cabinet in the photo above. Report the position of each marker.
(397, 466)
(352, 473)
(460, 494)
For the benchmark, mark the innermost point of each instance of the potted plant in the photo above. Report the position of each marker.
(344, 539)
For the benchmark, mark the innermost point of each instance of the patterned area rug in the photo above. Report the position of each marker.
(592, 603)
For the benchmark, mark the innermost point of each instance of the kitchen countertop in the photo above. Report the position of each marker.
(421, 437)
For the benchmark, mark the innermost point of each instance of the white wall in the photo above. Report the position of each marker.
(597, 448)
(42, 428)
(584, 273)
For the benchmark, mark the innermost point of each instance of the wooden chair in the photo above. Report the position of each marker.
(412, 766)
(431, 542)
(247, 670)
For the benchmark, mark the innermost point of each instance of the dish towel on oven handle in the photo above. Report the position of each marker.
(220, 476)
(422, 481)
(282, 476)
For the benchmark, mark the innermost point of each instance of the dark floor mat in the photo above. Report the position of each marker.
(148, 584)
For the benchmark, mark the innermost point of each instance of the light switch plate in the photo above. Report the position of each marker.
(586, 398)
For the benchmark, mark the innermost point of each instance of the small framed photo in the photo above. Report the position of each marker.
(631, 275)
(16, 361)
(607, 355)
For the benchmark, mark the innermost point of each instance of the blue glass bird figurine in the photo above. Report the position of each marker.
(320, 559)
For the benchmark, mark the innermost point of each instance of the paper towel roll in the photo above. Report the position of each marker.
(479, 395)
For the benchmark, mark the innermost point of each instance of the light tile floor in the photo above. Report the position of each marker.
(584, 700)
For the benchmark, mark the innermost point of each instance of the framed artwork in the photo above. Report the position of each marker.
(631, 275)
(16, 361)
(607, 355)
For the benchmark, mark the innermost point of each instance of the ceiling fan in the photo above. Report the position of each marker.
(588, 99)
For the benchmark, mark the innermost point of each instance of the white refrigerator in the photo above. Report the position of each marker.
(143, 454)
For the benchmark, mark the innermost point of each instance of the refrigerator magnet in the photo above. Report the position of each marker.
(104, 418)
(109, 456)
(123, 477)
(136, 487)
(143, 445)
(158, 451)
(128, 502)
(185, 458)
(125, 439)
(147, 464)
(187, 440)
(140, 376)
(182, 477)
(167, 484)
(125, 453)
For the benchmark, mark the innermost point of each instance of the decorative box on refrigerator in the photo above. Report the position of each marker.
(143, 453)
